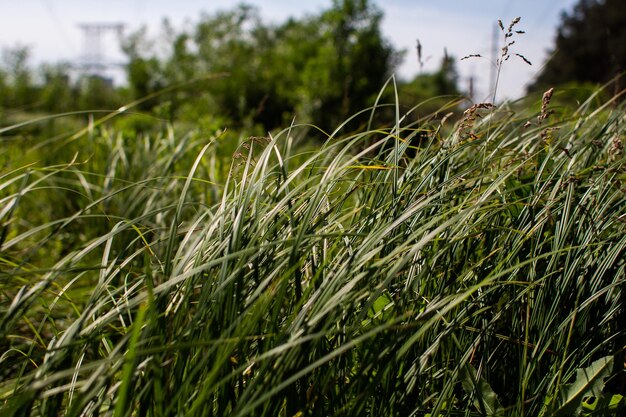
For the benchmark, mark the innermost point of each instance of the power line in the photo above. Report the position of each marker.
(494, 56)
(59, 26)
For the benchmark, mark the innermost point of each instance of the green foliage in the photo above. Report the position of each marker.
(234, 67)
(589, 46)
(58, 95)
(485, 399)
(586, 390)
(157, 275)
(50, 88)
(431, 91)
(17, 89)
(312, 67)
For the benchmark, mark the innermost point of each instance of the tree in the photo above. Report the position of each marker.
(590, 45)
(431, 91)
(19, 89)
(321, 68)
(57, 94)
(143, 68)
(50, 87)
(356, 57)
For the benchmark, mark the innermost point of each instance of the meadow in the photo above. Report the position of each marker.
(463, 265)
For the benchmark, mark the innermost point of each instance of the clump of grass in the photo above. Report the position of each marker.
(346, 281)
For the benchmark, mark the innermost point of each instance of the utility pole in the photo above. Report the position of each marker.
(495, 54)
(93, 61)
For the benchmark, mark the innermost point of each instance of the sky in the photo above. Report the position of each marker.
(50, 28)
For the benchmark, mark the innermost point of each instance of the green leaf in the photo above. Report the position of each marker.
(603, 405)
(379, 305)
(485, 399)
(589, 383)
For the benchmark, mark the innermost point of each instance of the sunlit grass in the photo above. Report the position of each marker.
(139, 278)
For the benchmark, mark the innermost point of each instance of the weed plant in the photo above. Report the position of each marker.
(483, 275)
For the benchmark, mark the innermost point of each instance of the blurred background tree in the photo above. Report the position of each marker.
(57, 94)
(590, 46)
(431, 90)
(18, 90)
(321, 67)
(50, 88)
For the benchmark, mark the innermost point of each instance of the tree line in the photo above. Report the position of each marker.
(233, 65)
(320, 68)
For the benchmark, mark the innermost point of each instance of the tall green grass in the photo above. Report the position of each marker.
(478, 277)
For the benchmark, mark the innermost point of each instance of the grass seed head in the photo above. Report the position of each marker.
(616, 149)
(545, 102)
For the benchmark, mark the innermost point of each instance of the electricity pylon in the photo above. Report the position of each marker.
(93, 61)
